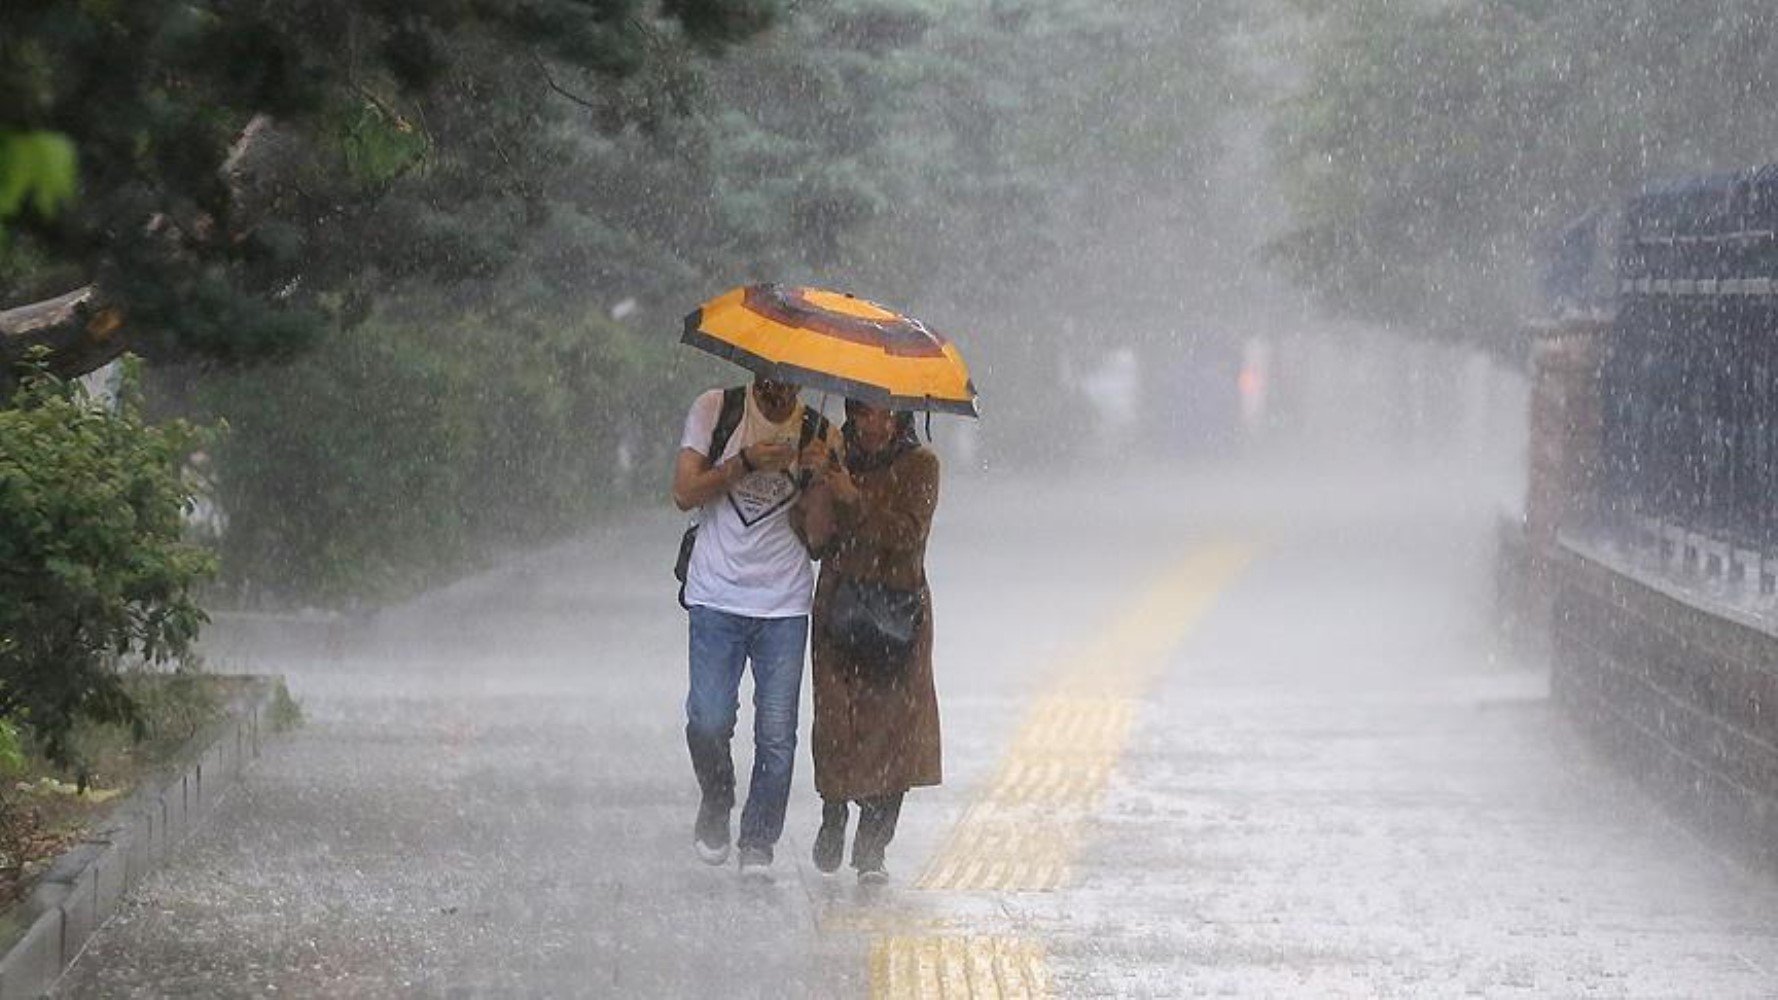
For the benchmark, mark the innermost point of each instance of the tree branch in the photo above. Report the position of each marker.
(82, 330)
(558, 88)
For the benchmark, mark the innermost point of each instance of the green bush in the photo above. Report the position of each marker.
(12, 750)
(94, 566)
(403, 452)
(285, 712)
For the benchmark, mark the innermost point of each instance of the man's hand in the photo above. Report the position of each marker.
(697, 482)
(769, 456)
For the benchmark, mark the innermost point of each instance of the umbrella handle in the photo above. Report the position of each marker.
(821, 408)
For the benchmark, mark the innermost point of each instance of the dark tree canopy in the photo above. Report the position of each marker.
(236, 159)
(415, 219)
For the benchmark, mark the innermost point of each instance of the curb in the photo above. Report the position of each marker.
(83, 886)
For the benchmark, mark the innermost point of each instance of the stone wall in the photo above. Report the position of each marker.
(1682, 694)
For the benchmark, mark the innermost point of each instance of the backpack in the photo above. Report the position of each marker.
(734, 406)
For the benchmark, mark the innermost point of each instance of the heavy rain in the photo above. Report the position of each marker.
(1192, 498)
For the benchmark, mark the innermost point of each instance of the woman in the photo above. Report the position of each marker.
(876, 714)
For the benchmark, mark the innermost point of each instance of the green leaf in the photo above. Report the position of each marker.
(38, 168)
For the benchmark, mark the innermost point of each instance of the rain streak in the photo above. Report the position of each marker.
(888, 499)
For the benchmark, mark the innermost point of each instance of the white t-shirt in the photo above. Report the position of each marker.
(747, 560)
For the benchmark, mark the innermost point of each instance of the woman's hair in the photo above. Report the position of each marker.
(906, 438)
(904, 419)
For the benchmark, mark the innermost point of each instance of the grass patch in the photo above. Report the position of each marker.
(46, 808)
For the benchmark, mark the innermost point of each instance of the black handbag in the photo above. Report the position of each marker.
(874, 626)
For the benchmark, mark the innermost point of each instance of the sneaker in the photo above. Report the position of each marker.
(873, 875)
(710, 836)
(710, 854)
(756, 863)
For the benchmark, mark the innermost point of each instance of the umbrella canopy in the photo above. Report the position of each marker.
(836, 343)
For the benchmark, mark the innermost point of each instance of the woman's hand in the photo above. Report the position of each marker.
(841, 483)
(816, 457)
(813, 520)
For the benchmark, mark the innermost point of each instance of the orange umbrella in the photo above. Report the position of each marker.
(835, 343)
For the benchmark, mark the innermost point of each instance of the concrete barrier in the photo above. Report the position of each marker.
(34, 962)
(44, 933)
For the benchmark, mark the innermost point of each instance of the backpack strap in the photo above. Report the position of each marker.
(734, 406)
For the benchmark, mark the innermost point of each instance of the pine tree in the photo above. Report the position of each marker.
(236, 159)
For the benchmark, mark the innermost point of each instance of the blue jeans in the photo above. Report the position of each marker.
(721, 646)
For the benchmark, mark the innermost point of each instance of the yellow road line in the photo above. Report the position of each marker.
(1024, 830)
(1026, 827)
(947, 968)
(883, 923)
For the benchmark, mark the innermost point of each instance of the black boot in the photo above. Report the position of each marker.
(876, 828)
(830, 840)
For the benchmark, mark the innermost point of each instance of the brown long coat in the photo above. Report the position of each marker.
(877, 740)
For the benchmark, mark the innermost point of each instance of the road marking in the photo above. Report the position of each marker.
(1025, 829)
(1023, 832)
(885, 923)
(945, 968)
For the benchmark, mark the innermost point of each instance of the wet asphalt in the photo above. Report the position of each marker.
(1337, 784)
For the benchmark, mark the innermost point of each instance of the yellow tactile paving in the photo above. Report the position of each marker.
(1074, 727)
(950, 968)
(1026, 827)
(882, 923)
(1073, 783)
(1005, 849)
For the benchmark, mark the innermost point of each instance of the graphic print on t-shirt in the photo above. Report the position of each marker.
(759, 495)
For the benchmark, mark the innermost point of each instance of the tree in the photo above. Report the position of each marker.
(907, 150)
(236, 157)
(434, 237)
(93, 563)
(1429, 148)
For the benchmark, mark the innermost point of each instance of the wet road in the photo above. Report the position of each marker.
(1222, 735)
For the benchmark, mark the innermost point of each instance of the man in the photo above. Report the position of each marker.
(748, 587)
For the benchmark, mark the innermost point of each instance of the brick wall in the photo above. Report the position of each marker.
(1566, 451)
(1683, 695)
(1680, 691)
(1565, 458)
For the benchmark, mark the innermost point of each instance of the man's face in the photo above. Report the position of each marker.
(775, 398)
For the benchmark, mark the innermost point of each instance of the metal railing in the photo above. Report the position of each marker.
(1690, 380)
